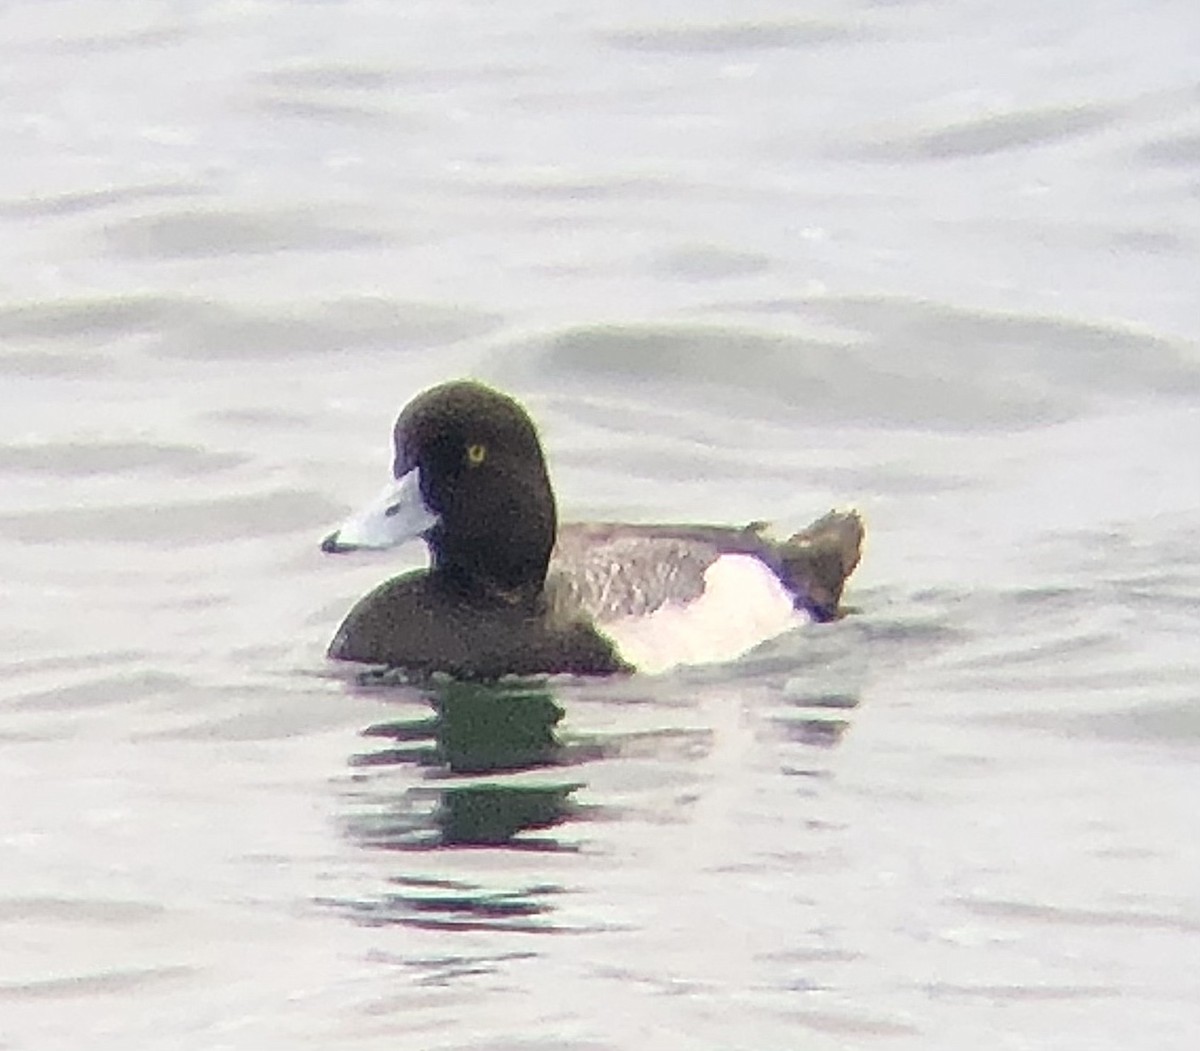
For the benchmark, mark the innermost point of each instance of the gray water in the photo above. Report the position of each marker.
(935, 260)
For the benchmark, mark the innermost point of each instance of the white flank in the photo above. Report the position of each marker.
(743, 604)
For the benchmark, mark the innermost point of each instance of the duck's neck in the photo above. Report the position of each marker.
(498, 554)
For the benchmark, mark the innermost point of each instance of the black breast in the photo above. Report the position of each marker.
(412, 622)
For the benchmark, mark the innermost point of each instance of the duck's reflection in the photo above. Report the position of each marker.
(445, 904)
(819, 720)
(473, 729)
(489, 767)
(478, 728)
(489, 774)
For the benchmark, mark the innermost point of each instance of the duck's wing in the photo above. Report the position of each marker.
(605, 571)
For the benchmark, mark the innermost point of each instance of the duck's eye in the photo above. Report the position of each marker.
(476, 454)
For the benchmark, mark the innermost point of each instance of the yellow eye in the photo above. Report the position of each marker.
(476, 454)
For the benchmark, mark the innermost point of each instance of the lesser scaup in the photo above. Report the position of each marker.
(511, 592)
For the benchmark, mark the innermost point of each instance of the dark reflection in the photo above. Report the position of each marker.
(474, 729)
(476, 766)
(487, 767)
(437, 904)
(484, 815)
(495, 814)
(812, 722)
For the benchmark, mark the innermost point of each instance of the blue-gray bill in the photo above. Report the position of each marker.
(396, 516)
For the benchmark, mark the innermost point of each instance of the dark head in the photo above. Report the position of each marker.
(469, 477)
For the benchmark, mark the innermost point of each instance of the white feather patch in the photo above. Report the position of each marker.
(743, 604)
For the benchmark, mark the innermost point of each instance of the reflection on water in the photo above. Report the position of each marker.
(473, 748)
(445, 904)
(482, 766)
(812, 725)
(474, 729)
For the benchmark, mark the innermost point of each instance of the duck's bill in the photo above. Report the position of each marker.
(394, 517)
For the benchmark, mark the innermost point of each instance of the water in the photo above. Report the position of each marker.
(934, 260)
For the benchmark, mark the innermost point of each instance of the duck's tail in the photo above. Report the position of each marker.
(820, 558)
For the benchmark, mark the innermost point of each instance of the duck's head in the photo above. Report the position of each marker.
(468, 477)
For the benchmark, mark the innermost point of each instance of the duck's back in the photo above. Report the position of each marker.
(612, 570)
(682, 594)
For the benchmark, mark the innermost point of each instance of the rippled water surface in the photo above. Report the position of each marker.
(937, 260)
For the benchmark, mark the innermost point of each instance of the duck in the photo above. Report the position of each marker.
(510, 591)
